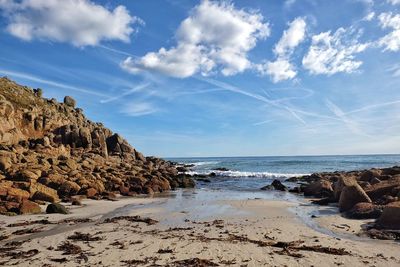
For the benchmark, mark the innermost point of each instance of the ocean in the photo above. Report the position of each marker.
(250, 173)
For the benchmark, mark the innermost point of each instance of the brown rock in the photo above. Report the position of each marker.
(321, 188)
(352, 195)
(368, 175)
(390, 218)
(44, 193)
(342, 182)
(18, 193)
(68, 188)
(91, 192)
(29, 207)
(69, 101)
(365, 210)
(378, 190)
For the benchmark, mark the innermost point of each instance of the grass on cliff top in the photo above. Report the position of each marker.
(19, 96)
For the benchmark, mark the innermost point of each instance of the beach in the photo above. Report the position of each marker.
(189, 227)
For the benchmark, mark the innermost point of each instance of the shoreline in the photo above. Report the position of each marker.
(192, 225)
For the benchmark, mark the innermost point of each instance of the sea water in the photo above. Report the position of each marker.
(249, 173)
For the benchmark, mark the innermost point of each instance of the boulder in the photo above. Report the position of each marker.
(18, 193)
(364, 210)
(29, 207)
(56, 208)
(378, 190)
(390, 218)
(68, 188)
(5, 163)
(321, 188)
(350, 196)
(44, 193)
(69, 101)
(90, 192)
(368, 175)
(342, 181)
(275, 185)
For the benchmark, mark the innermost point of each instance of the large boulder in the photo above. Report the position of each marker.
(29, 207)
(321, 188)
(69, 101)
(350, 196)
(364, 210)
(390, 218)
(342, 182)
(43, 193)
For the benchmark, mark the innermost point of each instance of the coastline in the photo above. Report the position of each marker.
(214, 226)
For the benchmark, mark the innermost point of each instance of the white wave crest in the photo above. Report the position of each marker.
(201, 163)
(270, 175)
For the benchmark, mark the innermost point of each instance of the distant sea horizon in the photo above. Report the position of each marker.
(257, 171)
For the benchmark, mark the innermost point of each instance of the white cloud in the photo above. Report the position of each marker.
(279, 70)
(291, 38)
(370, 16)
(333, 53)
(394, 2)
(137, 109)
(391, 41)
(216, 37)
(80, 22)
(282, 69)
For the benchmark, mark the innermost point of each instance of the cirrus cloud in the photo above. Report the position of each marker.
(391, 41)
(216, 37)
(331, 53)
(79, 22)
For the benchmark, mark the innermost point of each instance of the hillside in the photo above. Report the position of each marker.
(50, 151)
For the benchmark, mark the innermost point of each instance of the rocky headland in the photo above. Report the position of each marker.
(49, 151)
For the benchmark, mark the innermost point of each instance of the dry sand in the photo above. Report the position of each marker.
(211, 226)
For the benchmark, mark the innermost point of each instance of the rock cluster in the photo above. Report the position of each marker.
(50, 151)
(365, 194)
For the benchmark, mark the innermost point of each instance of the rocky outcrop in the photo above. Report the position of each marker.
(367, 194)
(50, 151)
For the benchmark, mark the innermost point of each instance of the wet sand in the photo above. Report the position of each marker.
(186, 228)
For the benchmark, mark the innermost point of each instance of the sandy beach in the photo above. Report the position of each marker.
(192, 228)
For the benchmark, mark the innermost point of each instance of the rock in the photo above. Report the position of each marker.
(275, 185)
(321, 188)
(5, 163)
(68, 188)
(378, 190)
(69, 101)
(44, 193)
(148, 190)
(390, 218)
(90, 192)
(364, 210)
(18, 193)
(222, 169)
(368, 175)
(29, 207)
(76, 202)
(350, 196)
(56, 208)
(342, 182)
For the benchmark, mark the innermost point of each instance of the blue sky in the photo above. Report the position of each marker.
(218, 78)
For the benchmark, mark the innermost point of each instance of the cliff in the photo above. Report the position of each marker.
(50, 151)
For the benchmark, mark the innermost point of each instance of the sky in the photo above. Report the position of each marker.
(182, 78)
